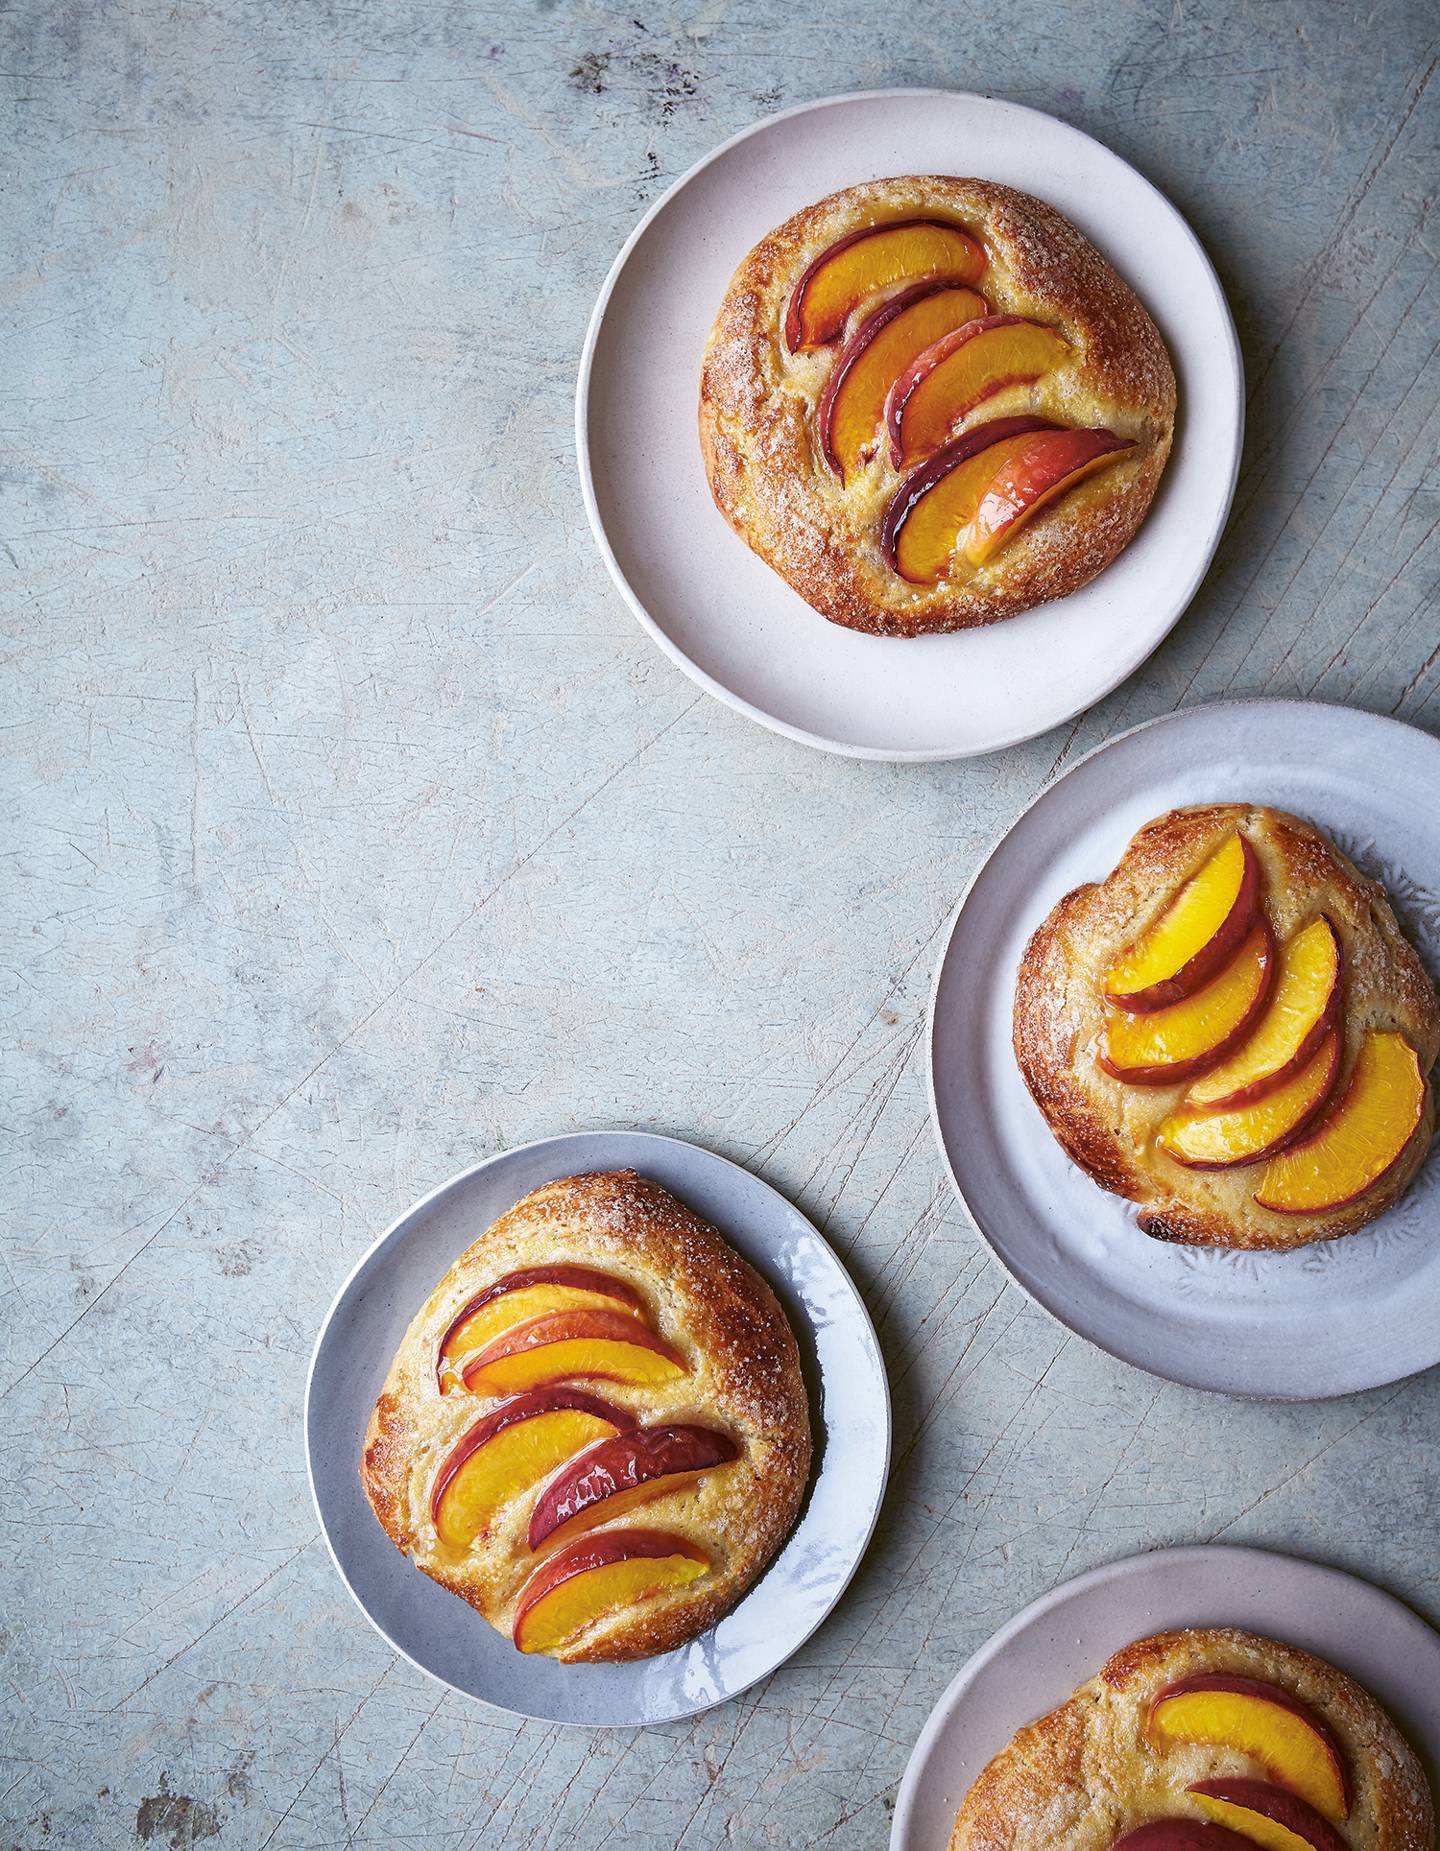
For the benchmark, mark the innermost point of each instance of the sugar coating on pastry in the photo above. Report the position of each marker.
(1089, 1772)
(760, 407)
(1112, 1129)
(738, 1376)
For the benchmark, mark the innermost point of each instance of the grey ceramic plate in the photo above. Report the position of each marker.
(849, 1399)
(1325, 1320)
(734, 626)
(1059, 1641)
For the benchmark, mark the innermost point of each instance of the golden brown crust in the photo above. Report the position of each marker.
(758, 402)
(1108, 1127)
(744, 1377)
(1080, 1777)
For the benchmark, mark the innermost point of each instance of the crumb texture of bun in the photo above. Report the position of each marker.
(742, 1377)
(1087, 1773)
(1109, 1127)
(759, 405)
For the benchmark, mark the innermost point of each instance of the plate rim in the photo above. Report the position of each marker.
(868, 1327)
(1117, 1569)
(1179, 1377)
(924, 755)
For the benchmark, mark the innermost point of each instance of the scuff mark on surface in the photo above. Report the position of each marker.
(589, 74)
(175, 1816)
(237, 1260)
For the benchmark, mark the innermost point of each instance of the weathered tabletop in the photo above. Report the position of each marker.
(356, 831)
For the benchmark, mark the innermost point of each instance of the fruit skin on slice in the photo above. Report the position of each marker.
(1360, 1139)
(1272, 1816)
(925, 514)
(510, 1449)
(1260, 1720)
(1204, 1140)
(595, 1576)
(1039, 473)
(961, 370)
(603, 1345)
(872, 260)
(1182, 1835)
(1165, 1046)
(1196, 935)
(622, 1470)
(1301, 1011)
(852, 406)
(518, 1297)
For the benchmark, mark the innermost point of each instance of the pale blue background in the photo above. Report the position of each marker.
(356, 831)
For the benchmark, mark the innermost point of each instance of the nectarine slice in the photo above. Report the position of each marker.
(510, 1450)
(520, 1296)
(604, 1346)
(622, 1470)
(1182, 1835)
(1165, 1046)
(927, 511)
(1260, 1720)
(1297, 1018)
(1382, 1107)
(1030, 479)
(1198, 932)
(594, 1577)
(870, 261)
(1271, 1816)
(960, 370)
(852, 406)
(1204, 1140)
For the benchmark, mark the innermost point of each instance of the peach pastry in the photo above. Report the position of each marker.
(1206, 1740)
(1233, 1031)
(930, 403)
(595, 1430)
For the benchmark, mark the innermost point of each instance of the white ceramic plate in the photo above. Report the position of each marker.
(730, 622)
(1324, 1320)
(849, 1400)
(1033, 1663)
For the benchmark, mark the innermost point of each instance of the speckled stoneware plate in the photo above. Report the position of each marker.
(731, 623)
(849, 1400)
(1033, 1663)
(1324, 1320)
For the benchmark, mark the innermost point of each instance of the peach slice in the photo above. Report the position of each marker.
(1368, 1131)
(1049, 466)
(605, 1346)
(1258, 1719)
(1297, 1019)
(517, 1298)
(1182, 1835)
(593, 1577)
(852, 406)
(623, 1470)
(1195, 936)
(961, 370)
(1165, 1046)
(508, 1451)
(1204, 1140)
(927, 511)
(872, 260)
(1272, 1816)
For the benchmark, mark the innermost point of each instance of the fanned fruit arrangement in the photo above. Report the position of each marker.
(907, 386)
(1206, 1740)
(595, 1431)
(1233, 1031)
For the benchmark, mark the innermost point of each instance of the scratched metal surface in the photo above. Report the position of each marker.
(354, 831)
